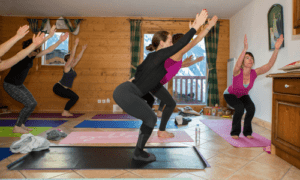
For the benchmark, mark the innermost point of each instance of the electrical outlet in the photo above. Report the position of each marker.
(103, 100)
(99, 100)
(108, 100)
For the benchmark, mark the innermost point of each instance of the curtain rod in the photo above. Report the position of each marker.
(160, 20)
(54, 19)
(165, 20)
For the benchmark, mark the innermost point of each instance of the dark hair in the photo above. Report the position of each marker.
(27, 43)
(67, 56)
(176, 37)
(158, 36)
(250, 54)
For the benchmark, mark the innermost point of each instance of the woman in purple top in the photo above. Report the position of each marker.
(172, 66)
(236, 95)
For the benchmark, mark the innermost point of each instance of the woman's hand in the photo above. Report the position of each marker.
(212, 22)
(279, 42)
(84, 46)
(245, 43)
(64, 36)
(38, 39)
(76, 41)
(22, 31)
(52, 31)
(199, 20)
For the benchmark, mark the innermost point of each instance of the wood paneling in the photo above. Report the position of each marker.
(104, 65)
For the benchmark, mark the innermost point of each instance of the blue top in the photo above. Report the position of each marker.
(68, 78)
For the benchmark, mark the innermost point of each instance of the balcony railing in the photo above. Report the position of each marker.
(188, 89)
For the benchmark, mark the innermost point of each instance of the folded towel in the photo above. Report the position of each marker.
(55, 135)
(28, 143)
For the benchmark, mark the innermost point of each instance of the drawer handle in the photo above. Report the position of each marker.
(286, 86)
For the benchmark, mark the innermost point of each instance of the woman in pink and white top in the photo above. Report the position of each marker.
(172, 66)
(236, 95)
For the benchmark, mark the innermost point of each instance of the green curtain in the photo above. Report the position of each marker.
(33, 24)
(69, 24)
(135, 36)
(211, 46)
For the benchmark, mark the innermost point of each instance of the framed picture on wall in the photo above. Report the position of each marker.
(275, 25)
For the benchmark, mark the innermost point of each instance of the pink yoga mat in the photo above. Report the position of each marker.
(121, 137)
(40, 115)
(120, 116)
(223, 128)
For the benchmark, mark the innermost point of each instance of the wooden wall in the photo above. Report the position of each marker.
(104, 65)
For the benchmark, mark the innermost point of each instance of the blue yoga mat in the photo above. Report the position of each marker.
(119, 124)
(4, 153)
(34, 123)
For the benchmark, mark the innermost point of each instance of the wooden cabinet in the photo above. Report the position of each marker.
(286, 116)
(296, 13)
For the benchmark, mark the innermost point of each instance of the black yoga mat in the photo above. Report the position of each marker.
(77, 157)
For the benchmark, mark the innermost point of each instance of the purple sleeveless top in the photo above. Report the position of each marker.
(237, 88)
(172, 68)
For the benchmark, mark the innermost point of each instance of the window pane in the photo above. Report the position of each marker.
(56, 57)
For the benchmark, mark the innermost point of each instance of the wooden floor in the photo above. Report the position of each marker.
(227, 162)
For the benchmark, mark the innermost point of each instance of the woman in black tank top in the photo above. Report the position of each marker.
(62, 88)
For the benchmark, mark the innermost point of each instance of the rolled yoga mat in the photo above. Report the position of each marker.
(40, 115)
(223, 128)
(34, 123)
(121, 137)
(120, 124)
(76, 157)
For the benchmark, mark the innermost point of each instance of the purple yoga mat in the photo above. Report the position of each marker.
(40, 115)
(121, 116)
(223, 128)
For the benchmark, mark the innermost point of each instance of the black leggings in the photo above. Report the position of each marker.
(59, 90)
(21, 94)
(129, 98)
(150, 99)
(166, 99)
(239, 104)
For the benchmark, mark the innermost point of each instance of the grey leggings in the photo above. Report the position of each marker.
(21, 94)
(129, 98)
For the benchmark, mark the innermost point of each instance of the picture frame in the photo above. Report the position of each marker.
(275, 25)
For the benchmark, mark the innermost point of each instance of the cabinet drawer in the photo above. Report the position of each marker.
(287, 85)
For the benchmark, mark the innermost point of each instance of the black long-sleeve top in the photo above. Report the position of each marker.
(152, 70)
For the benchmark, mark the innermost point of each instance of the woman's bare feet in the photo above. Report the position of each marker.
(18, 129)
(164, 134)
(250, 137)
(26, 128)
(66, 113)
(235, 137)
(159, 113)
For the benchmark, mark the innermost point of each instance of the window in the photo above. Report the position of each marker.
(197, 72)
(56, 57)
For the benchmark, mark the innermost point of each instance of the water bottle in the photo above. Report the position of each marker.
(197, 135)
